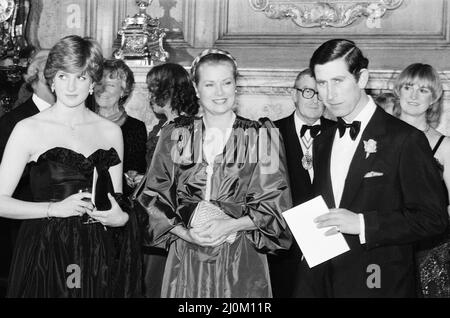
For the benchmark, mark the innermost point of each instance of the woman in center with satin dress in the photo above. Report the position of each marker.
(229, 172)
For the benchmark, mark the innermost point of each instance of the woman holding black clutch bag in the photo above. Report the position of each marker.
(215, 191)
(60, 253)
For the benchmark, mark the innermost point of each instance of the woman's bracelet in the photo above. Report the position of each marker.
(48, 210)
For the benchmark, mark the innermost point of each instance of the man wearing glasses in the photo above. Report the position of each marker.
(298, 130)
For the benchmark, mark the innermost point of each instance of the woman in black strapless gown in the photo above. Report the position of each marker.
(66, 247)
(50, 253)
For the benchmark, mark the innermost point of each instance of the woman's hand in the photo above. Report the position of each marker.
(137, 179)
(75, 205)
(113, 217)
(133, 178)
(204, 241)
(213, 232)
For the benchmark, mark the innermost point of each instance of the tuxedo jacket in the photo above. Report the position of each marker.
(9, 228)
(9, 121)
(283, 267)
(300, 181)
(399, 191)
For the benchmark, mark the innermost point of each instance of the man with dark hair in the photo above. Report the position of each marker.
(378, 178)
(299, 131)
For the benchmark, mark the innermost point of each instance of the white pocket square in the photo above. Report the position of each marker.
(372, 174)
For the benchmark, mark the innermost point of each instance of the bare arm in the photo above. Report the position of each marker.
(17, 153)
(443, 155)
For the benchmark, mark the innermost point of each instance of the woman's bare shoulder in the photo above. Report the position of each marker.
(445, 145)
(30, 124)
(102, 122)
(443, 151)
(106, 130)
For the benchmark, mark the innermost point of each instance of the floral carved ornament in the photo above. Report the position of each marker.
(337, 14)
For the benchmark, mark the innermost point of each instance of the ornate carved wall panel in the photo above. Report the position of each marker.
(267, 93)
(406, 24)
(269, 51)
(335, 14)
(64, 17)
(418, 30)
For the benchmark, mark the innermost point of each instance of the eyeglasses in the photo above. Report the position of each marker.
(308, 93)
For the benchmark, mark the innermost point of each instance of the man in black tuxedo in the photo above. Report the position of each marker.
(41, 99)
(377, 176)
(298, 131)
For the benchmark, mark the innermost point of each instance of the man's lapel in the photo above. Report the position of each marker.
(360, 165)
(31, 108)
(322, 156)
(295, 150)
(292, 136)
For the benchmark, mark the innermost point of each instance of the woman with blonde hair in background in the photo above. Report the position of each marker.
(419, 91)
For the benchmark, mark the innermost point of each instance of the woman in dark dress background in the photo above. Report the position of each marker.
(111, 95)
(60, 252)
(419, 91)
(171, 94)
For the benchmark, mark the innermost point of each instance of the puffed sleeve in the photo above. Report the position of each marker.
(268, 194)
(158, 198)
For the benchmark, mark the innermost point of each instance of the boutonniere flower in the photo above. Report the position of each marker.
(370, 146)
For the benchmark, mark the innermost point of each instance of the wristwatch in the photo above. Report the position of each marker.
(6, 9)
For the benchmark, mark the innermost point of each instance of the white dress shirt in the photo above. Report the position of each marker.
(298, 126)
(213, 145)
(342, 154)
(40, 103)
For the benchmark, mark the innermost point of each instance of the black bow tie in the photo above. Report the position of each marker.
(354, 128)
(313, 130)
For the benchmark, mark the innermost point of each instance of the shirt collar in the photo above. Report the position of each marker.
(40, 103)
(366, 114)
(299, 122)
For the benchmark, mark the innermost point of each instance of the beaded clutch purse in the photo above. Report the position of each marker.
(206, 211)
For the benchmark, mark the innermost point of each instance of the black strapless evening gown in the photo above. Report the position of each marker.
(63, 257)
(433, 256)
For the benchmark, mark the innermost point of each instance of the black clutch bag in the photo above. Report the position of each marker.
(103, 186)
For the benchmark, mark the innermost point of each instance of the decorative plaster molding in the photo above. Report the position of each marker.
(337, 14)
(266, 93)
(261, 90)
